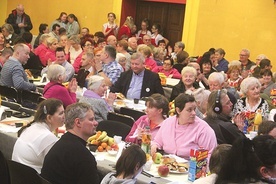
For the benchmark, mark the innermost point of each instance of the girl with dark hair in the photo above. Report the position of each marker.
(61, 20)
(184, 131)
(128, 167)
(73, 25)
(110, 28)
(157, 110)
(249, 162)
(144, 30)
(36, 138)
(156, 36)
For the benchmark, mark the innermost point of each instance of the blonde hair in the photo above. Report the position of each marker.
(129, 22)
(144, 49)
(50, 40)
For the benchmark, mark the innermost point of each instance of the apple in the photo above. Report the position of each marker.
(157, 158)
(114, 147)
(163, 170)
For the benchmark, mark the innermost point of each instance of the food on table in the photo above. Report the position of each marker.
(103, 141)
(163, 170)
(120, 96)
(157, 158)
(172, 108)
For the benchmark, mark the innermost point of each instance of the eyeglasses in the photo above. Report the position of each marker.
(167, 64)
(243, 55)
(88, 45)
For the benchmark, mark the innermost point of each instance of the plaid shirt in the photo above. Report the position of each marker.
(113, 71)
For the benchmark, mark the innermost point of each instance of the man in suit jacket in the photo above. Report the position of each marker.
(138, 82)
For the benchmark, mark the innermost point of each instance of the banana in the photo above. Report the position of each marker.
(102, 136)
(105, 139)
(110, 141)
(91, 138)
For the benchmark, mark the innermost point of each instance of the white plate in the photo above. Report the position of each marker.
(177, 172)
(112, 152)
(177, 158)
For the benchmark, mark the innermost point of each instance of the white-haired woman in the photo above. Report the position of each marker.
(187, 82)
(55, 89)
(252, 101)
(96, 89)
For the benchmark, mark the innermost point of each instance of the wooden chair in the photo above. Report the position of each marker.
(132, 113)
(10, 93)
(114, 128)
(22, 174)
(121, 118)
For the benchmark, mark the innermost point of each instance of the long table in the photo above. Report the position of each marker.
(8, 137)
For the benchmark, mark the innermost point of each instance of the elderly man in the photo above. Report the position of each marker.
(19, 20)
(61, 60)
(219, 111)
(147, 41)
(246, 63)
(138, 82)
(112, 41)
(216, 81)
(13, 74)
(132, 45)
(69, 161)
(111, 69)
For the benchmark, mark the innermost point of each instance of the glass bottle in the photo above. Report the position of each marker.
(146, 139)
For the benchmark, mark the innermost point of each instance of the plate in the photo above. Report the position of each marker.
(177, 172)
(112, 152)
(120, 103)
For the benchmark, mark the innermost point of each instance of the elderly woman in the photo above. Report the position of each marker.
(251, 102)
(9, 34)
(36, 139)
(55, 89)
(267, 81)
(157, 110)
(167, 69)
(184, 131)
(96, 89)
(234, 75)
(206, 65)
(146, 51)
(187, 82)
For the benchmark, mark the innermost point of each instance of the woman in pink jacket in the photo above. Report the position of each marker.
(157, 110)
(167, 69)
(184, 131)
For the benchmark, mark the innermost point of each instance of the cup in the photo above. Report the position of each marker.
(117, 139)
(136, 101)
(147, 165)
(253, 134)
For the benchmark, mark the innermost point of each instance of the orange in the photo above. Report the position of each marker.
(100, 149)
(104, 145)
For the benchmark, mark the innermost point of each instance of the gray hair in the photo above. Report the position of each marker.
(74, 111)
(246, 51)
(189, 69)
(89, 55)
(111, 51)
(75, 39)
(54, 71)
(216, 76)
(9, 28)
(180, 45)
(139, 56)
(94, 82)
(247, 82)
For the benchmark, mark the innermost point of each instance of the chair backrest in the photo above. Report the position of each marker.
(132, 113)
(22, 174)
(114, 128)
(121, 118)
(12, 105)
(27, 111)
(4, 171)
(10, 92)
(30, 99)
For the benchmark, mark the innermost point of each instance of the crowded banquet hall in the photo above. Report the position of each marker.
(140, 91)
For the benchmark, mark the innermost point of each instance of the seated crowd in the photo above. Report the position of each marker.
(212, 106)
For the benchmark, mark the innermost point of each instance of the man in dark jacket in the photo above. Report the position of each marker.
(20, 21)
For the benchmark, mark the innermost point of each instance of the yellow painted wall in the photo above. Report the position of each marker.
(3, 10)
(232, 25)
(91, 13)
